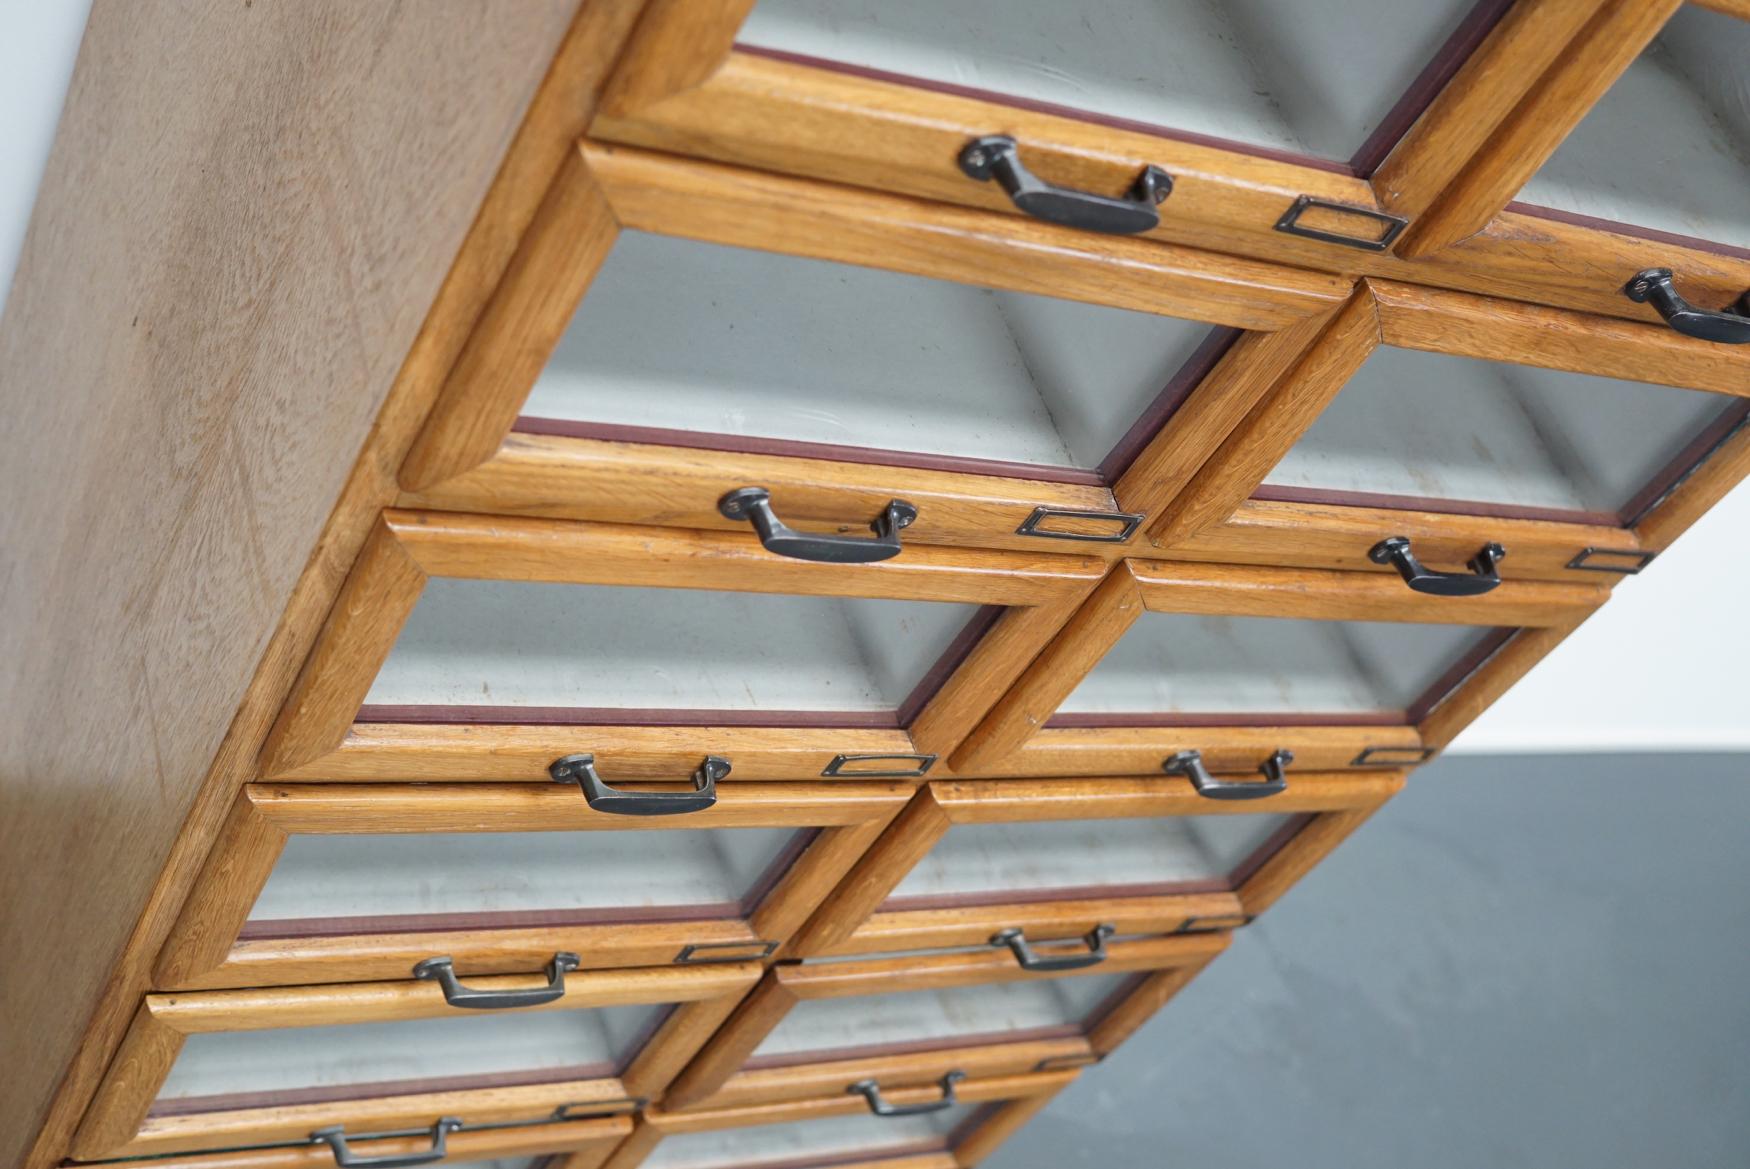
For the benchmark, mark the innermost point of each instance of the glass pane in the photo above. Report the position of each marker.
(697, 337)
(805, 1143)
(502, 1163)
(1218, 667)
(1415, 427)
(1265, 73)
(1668, 147)
(242, 1069)
(500, 644)
(919, 1020)
(366, 883)
(997, 863)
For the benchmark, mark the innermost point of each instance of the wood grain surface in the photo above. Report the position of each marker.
(211, 304)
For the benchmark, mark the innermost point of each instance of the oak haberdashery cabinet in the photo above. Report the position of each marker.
(925, 520)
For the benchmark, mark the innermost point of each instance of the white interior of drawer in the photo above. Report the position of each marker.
(993, 1013)
(1431, 426)
(512, 644)
(798, 1144)
(328, 1061)
(1175, 663)
(1266, 73)
(1010, 861)
(697, 337)
(708, 871)
(1668, 147)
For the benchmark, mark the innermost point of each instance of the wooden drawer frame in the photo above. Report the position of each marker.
(406, 548)
(851, 920)
(1020, 1096)
(682, 85)
(718, 1069)
(468, 458)
(204, 950)
(1213, 515)
(571, 1144)
(1543, 613)
(117, 1125)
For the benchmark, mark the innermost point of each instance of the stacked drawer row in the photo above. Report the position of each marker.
(847, 652)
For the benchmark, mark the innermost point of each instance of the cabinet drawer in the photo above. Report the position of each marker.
(235, 1068)
(451, 620)
(1665, 153)
(839, 1130)
(986, 378)
(345, 882)
(1582, 446)
(1062, 859)
(541, 1144)
(1051, 1005)
(1176, 647)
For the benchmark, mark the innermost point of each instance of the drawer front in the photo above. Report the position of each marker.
(1179, 646)
(235, 1068)
(340, 882)
(451, 619)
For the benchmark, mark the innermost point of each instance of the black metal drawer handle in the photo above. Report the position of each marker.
(999, 157)
(1190, 765)
(444, 970)
(871, 1091)
(1730, 327)
(580, 769)
(335, 1139)
(1029, 959)
(1484, 574)
(755, 505)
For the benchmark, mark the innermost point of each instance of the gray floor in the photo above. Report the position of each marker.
(1522, 961)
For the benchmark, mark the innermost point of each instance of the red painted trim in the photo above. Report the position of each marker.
(1448, 683)
(1167, 402)
(1096, 719)
(584, 717)
(957, 652)
(1689, 460)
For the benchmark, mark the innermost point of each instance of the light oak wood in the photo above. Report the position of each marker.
(207, 325)
(561, 251)
(1086, 637)
(815, 875)
(719, 204)
(636, 483)
(990, 801)
(999, 1127)
(400, 752)
(1492, 329)
(1336, 536)
(667, 1119)
(1138, 1007)
(1529, 39)
(590, 1142)
(677, 45)
(248, 847)
(726, 1051)
(129, 1086)
(1524, 139)
(1096, 751)
(1274, 424)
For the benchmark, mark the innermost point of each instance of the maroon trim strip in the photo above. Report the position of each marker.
(789, 448)
(1487, 647)
(1377, 718)
(945, 665)
(1273, 844)
(1465, 39)
(915, 1047)
(1045, 107)
(588, 716)
(1500, 511)
(1688, 461)
(1575, 219)
(1167, 402)
(797, 844)
(286, 1098)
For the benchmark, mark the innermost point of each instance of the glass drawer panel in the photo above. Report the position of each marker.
(1668, 147)
(1264, 73)
(984, 864)
(529, 646)
(243, 1069)
(1201, 669)
(922, 1020)
(685, 336)
(1413, 428)
(803, 1144)
(380, 883)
